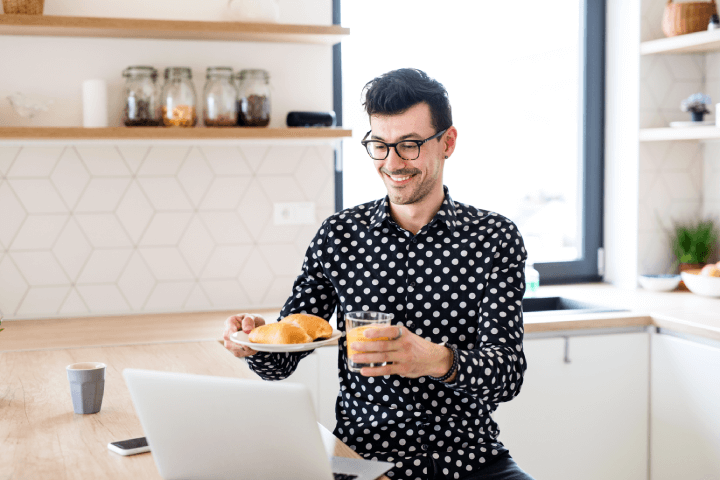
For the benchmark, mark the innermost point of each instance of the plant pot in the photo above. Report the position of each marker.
(697, 116)
(23, 7)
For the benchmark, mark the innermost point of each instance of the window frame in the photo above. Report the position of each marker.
(589, 268)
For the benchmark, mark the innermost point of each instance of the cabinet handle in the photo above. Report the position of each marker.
(567, 350)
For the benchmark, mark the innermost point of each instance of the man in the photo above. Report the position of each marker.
(451, 274)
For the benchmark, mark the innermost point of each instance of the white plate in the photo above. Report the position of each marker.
(242, 338)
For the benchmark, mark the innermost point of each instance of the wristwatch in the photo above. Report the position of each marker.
(454, 367)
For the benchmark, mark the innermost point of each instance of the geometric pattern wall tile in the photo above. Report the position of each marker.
(225, 193)
(133, 155)
(39, 268)
(196, 245)
(39, 232)
(168, 296)
(226, 261)
(166, 263)
(12, 214)
(72, 249)
(105, 229)
(102, 299)
(225, 293)
(70, 177)
(103, 160)
(134, 211)
(38, 195)
(136, 282)
(102, 195)
(165, 228)
(226, 228)
(226, 160)
(255, 276)
(165, 193)
(163, 160)
(197, 300)
(12, 286)
(104, 265)
(7, 157)
(255, 209)
(43, 300)
(35, 162)
(281, 160)
(195, 176)
(254, 155)
(73, 304)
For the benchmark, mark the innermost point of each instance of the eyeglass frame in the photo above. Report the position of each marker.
(419, 144)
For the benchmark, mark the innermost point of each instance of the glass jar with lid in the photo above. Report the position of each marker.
(253, 98)
(220, 98)
(178, 98)
(141, 97)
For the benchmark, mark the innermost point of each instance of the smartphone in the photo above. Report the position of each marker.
(130, 447)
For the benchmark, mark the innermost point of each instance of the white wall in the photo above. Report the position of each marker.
(621, 141)
(119, 227)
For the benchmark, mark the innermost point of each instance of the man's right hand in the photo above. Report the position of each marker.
(245, 322)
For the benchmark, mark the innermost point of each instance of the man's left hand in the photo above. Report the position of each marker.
(407, 354)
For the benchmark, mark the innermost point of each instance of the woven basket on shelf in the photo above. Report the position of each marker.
(682, 18)
(25, 7)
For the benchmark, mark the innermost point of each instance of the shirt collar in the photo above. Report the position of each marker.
(447, 213)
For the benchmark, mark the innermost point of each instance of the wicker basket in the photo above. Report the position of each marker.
(682, 18)
(24, 7)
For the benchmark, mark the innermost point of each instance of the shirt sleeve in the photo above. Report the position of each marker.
(494, 370)
(312, 293)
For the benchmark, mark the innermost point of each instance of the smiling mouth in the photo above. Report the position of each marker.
(399, 179)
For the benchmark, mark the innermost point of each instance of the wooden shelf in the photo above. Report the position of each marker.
(55, 26)
(689, 133)
(699, 42)
(175, 133)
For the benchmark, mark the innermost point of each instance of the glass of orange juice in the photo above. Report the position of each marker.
(355, 325)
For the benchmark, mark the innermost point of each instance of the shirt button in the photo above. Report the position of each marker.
(412, 284)
(424, 447)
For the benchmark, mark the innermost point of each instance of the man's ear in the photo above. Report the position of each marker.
(450, 141)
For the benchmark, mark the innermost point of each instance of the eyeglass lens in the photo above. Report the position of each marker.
(406, 150)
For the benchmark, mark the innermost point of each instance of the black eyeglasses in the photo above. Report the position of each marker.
(407, 149)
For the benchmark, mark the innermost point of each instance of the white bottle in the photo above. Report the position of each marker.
(532, 280)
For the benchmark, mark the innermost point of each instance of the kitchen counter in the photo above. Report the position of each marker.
(42, 437)
(681, 312)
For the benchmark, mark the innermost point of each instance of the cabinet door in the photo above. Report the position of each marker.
(685, 402)
(586, 419)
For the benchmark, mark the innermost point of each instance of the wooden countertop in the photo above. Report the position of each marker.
(42, 437)
(683, 312)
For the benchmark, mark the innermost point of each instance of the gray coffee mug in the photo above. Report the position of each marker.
(87, 384)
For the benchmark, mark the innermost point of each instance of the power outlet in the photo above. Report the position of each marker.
(294, 213)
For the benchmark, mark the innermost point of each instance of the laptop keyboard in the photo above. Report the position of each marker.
(343, 476)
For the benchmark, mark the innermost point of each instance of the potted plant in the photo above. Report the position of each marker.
(696, 104)
(693, 244)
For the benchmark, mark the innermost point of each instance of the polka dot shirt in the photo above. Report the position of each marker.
(458, 280)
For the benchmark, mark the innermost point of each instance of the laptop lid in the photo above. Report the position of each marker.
(203, 427)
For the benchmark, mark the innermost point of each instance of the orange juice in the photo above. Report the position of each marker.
(356, 323)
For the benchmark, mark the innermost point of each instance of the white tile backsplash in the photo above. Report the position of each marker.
(104, 229)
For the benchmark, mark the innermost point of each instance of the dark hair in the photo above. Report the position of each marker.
(395, 92)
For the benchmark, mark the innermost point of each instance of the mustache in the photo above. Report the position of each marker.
(401, 172)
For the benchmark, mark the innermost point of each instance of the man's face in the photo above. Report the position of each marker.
(409, 181)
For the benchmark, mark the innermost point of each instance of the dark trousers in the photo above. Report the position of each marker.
(503, 468)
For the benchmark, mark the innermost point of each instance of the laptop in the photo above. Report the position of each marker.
(205, 427)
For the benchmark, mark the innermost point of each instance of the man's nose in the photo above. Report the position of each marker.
(394, 162)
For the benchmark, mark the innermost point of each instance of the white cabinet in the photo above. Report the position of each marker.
(685, 422)
(318, 372)
(586, 419)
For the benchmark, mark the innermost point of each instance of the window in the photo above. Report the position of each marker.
(526, 90)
